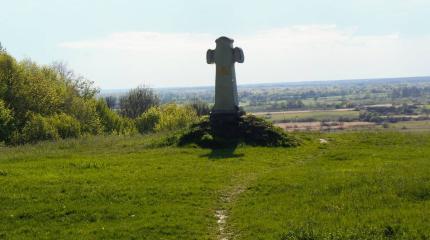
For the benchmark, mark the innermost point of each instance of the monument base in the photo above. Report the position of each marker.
(225, 124)
(228, 130)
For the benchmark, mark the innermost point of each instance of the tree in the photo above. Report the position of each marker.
(426, 111)
(138, 101)
(295, 104)
(111, 101)
(201, 108)
(39, 102)
(112, 122)
(2, 49)
(32, 88)
(166, 118)
(6, 120)
(8, 69)
(83, 87)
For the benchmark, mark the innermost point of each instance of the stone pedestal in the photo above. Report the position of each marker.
(225, 125)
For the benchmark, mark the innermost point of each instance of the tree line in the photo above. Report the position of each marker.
(50, 102)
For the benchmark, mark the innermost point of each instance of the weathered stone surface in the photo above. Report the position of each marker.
(225, 56)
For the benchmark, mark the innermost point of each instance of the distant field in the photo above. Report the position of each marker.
(347, 185)
(327, 126)
(410, 126)
(318, 115)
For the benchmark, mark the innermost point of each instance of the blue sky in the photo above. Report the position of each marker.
(121, 44)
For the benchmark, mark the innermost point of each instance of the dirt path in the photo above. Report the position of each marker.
(222, 214)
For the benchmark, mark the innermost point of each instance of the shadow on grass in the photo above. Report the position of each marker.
(223, 153)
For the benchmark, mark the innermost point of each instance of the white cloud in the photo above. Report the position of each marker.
(143, 42)
(313, 52)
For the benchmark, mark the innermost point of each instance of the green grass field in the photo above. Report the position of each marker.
(313, 116)
(360, 185)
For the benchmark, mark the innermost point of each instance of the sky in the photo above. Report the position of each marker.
(120, 44)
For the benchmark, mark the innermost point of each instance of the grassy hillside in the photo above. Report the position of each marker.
(356, 186)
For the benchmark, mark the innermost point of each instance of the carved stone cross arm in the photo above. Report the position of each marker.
(210, 56)
(238, 55)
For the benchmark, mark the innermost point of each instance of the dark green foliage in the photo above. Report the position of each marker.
(138, 101)
(8, 71)
(198, 133)
(40, 128)
(37, 128)
(249, 130)
(371, 117)
(6, 121)
(258, 132)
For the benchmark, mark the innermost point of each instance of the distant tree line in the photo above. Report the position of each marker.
(323, 96)
(410, 91)
(393, 113)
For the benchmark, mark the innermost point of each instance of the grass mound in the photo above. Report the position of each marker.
(249, 130)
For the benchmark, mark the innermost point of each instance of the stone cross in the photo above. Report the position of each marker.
(225, 56)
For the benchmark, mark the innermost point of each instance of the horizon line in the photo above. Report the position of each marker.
(274, 83)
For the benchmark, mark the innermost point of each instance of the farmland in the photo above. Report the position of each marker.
(330, 105)
(309, 116)
(417, 126)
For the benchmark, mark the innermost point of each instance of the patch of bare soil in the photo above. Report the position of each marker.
(222, 214)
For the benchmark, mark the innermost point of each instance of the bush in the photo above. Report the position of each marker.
(247, 129)
(175, 117)
(166, 118)
(8, 67)
(258, 132)
(35, 89)
(371, 117)
(60, 103)
(77, 84)
(85, 111)
(38, 128)
(148, 121)
(112, 122)
(6, 121)
(66, 125)
(138, 101)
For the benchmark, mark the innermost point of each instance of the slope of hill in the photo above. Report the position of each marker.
(335, 186)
